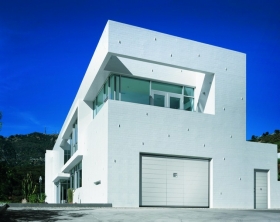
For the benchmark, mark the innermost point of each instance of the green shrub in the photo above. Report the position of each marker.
(37, 198)
(70, 195)
(33, 198)
(42, 198)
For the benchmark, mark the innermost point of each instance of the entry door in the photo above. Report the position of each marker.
(169, 181)
(260, 189)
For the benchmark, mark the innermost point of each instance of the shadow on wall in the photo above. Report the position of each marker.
(37, 215)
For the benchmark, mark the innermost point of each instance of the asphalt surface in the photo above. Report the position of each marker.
(136, 214)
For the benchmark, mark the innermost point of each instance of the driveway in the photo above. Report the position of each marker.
(136, 214)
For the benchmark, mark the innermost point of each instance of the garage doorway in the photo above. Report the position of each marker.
(174, 181)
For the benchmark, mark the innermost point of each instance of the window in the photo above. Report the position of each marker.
(76, 176)
(167, 95)
(67, 155)
(73, 140)
(188, 98)
(135, 90)
(129, 89)
(99, 100)
(166, 87)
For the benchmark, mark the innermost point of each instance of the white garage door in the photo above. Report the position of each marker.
(168, 181)
(261, 189)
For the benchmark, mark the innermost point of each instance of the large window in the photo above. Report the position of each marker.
(73, 140)
(135, 90)
(67, 155)
(146, 92)
(76, 176)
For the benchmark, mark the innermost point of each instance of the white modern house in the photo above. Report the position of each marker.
(161, 121)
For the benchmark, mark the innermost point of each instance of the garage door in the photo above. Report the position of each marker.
(260, 189)
(169, 181)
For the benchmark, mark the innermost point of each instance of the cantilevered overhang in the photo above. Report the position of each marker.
(61, 176)
(73, 161)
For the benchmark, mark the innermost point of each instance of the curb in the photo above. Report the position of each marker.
(44, 205)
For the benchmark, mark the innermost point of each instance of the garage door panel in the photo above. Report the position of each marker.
(153, 160)
(156, 176)
(175, 190)
(175, 202)
(196, 204)
(196, 184)
(174, 161)
(153, 180)
(175, 194)
(176, 182)
(154, 198)
(196, 195)
(154, 166)
(176, 177)
(154, 185)
(153, 171)
(175, 186)
(171, 181)
(153, 189)
(154, 203)
(192, 172)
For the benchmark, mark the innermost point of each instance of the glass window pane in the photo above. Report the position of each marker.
(80, 183)
(135, 90)
(112, 86)
(188, 91)
(159, 100)
(76, 133)
(94, 109)
(174, 103)
(99, 100)
(106, 91)
(117, 79)
(167, 87)
(188, 103)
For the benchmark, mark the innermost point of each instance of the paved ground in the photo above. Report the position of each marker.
(137, 214)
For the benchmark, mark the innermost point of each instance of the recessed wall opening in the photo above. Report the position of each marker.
(149, 92)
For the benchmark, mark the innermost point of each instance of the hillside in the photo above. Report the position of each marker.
(273, 138)
(30, 149)
(19, 155)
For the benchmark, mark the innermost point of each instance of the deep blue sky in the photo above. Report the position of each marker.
(46, 46)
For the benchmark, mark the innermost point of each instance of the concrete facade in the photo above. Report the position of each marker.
(110, 144)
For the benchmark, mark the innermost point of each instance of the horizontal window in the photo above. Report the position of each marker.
(134, 90)
(166, 87)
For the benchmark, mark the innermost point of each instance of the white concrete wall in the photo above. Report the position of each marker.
(233, 177)
(49, 185)
(95, 161)
(53, 163)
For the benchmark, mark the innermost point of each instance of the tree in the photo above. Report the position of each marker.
(265, 134)
(277, 131)
(253, 138)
